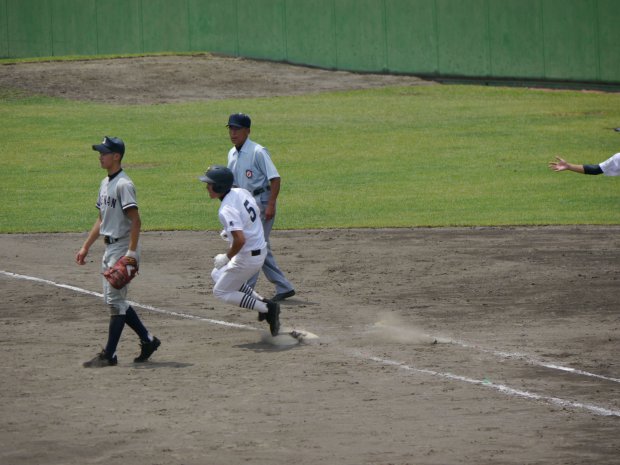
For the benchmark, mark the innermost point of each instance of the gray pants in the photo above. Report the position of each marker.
(116, 299)
(270, 267)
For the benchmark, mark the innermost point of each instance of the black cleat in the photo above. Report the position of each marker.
(283, 295)
(101, 360)
(273, 317)
(262, 316)
(146, 350)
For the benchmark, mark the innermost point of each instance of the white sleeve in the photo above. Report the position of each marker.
(230, 219)
(611, 166)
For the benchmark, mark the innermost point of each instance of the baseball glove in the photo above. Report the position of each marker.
(123, 271)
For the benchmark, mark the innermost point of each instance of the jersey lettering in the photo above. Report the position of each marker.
(108, 201)
(250, 210)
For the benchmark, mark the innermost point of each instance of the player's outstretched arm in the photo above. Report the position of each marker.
(562, 165)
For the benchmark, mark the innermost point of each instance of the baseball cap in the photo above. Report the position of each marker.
(110, 145)
(239, 120)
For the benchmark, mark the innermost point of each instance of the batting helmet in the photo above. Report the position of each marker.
(221, 178)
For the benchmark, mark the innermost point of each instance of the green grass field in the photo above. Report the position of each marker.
(445, 155)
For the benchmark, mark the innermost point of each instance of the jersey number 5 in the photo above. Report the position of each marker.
(250, 210)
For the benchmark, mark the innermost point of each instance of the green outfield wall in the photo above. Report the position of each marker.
(565, 40)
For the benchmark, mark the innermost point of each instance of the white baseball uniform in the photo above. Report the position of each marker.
(611, 166)
(239, 212)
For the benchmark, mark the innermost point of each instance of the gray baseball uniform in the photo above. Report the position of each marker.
(117, 193)
(118, 210)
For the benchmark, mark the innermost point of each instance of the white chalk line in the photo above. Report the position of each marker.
(499, 387)
(533, 361)
(135, 304)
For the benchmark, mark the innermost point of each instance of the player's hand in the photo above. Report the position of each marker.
(558, 165)
(220, 260)
(270, 212)
(131, 263)
(131, 259)
(224, 235)
(81, 256)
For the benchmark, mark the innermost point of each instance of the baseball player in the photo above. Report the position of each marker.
(247, 249)
(254, 171)
(119, 222)
(610, 167)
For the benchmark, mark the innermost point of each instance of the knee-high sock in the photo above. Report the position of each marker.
(241, 299)
(246, 289)
(134, 322)
(117, 323)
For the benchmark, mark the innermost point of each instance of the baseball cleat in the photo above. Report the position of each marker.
(146, 350)
(262, 316)
(101, 360)
(283, 295)
(273, 317)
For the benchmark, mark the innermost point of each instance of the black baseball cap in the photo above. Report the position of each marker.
(239, 120)
(110, 145)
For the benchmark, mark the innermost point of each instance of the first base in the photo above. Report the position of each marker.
(290, 337)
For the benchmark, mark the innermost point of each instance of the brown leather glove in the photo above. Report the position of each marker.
(123, 271)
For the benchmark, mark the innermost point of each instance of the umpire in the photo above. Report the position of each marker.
(255, 172)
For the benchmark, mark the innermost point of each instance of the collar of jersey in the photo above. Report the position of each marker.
(222, 197)
(112, 176)
(239, 150)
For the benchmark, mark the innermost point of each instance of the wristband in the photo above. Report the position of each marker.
(131, 253)
(592, 169)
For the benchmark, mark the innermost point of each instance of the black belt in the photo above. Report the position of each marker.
(111, 240)
(255, 252)
(260, 190)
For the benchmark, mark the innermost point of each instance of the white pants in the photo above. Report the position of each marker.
(115, 299)
(230, 278)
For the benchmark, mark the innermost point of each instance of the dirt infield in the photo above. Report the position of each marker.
(513, 310)
(168, 79)
(525, 369)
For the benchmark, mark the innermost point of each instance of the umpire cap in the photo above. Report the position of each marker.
(221, 178)
(239, 120)
(110, 145)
